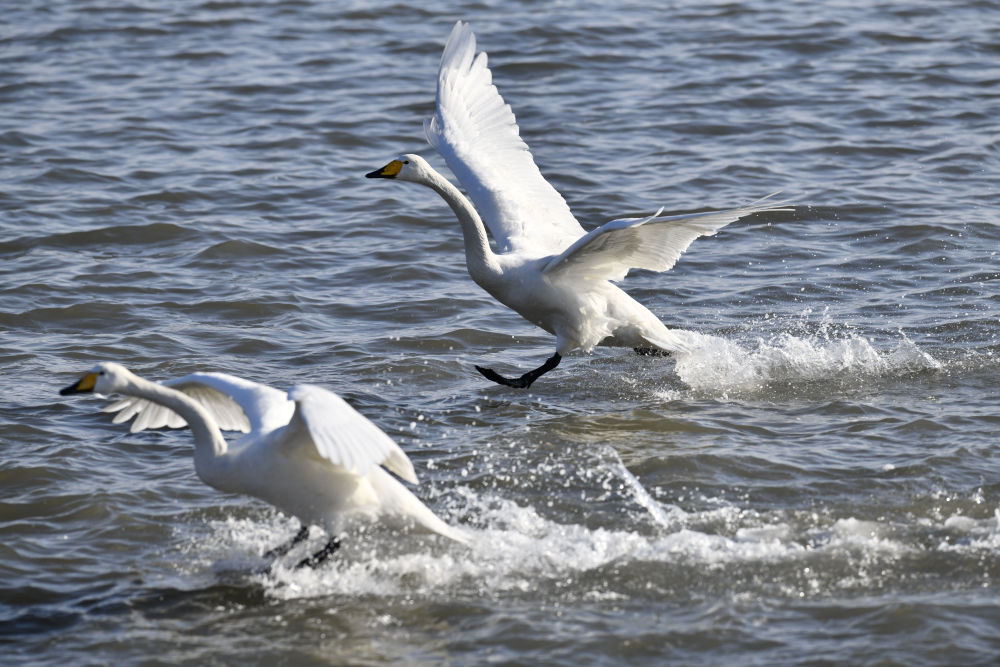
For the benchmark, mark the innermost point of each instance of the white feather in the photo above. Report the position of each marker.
(476, 133)
(544, 267)
(343, 436)
(308, 452)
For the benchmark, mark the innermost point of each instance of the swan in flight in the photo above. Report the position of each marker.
(545, 267)
(307, 451)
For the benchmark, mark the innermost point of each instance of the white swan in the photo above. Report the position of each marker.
(546, 267)
(308, 452)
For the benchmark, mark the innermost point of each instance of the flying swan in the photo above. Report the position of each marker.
(307, 452)
(546, 267)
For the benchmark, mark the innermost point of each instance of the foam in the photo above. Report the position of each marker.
(720, 365)
(521, 549)
(517, 549)
(972, 535)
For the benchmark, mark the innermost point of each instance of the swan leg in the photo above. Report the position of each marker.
(525, 380)
(320, 556)
(283, 549)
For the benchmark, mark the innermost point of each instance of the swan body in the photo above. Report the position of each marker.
(545, 266)
(306, 452)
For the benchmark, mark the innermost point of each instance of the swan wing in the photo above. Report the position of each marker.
(476, 133)
(235, 404)
(654, 243)
(344, 436)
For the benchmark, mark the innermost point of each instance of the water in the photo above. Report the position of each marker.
(183, 190)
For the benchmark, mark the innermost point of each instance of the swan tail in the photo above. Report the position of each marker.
(431, 522)
(399, 501)
(675, 341)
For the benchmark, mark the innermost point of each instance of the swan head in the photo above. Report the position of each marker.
(104, 378)
(407, 167)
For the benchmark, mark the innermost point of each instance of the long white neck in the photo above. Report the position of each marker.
(479, 257)
(209, 445)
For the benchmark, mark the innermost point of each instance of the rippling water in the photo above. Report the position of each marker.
(183, 190)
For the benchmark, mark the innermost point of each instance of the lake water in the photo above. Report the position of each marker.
(183, 189)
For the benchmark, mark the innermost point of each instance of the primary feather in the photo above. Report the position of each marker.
(476, 133)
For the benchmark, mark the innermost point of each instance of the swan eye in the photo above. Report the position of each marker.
(406, 162)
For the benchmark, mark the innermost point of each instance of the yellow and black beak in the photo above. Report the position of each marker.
(388, 171)
(84, 386)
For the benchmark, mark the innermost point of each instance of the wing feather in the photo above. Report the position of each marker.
(235, 404)
(653, 243)
(344, 436)
(476, 133)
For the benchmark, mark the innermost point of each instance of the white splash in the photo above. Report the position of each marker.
(520, 549)
(666, 516)
(720, 365)
(966, 534)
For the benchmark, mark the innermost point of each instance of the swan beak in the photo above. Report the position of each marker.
(388, 171)
(85, 385)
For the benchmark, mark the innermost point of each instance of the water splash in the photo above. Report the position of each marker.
(967, 534)
(667, 517)
(519, 550)
(718, 364)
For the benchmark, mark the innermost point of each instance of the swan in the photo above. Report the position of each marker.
(307, 451)
(545, 268)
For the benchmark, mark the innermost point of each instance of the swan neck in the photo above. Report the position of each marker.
(209, 444)
(479, 257)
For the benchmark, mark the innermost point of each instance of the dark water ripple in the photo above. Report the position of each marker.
(183, 190)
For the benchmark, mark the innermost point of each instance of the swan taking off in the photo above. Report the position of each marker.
(307, 452)
(546, 268)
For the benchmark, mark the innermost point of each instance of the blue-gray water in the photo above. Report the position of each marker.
(181, 187)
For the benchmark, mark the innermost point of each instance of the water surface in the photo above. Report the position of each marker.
(183, 190)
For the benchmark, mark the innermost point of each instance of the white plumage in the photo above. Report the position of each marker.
(307, 452)
(476, 133)
(545, 266)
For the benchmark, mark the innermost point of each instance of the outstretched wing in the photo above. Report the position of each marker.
(654, 243)
(344, 436)
(235, 404)
(476, 133)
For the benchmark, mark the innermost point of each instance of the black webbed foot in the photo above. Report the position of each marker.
(320, 556)
(283, 549)
(525, 380)
(522, 382)
(651, 352)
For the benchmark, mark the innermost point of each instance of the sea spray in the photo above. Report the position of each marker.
(719, 364)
